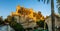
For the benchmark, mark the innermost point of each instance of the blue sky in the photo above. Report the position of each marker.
(8, 6)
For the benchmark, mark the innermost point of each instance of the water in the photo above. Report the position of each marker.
(6, 28)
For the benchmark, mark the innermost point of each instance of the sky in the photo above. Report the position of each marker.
(8, 6)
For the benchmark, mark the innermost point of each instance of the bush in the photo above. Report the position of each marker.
(16, 26)
(40, 23)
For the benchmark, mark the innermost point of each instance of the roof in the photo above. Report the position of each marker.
(54, 15)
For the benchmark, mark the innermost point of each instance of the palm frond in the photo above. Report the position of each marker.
(58, 1)
(39, 0)
(44, 1)
(59, 8)
(48, 1)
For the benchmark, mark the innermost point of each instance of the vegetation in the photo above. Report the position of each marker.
(58, 4)
(1, 20)
(14, 24)
(42, 24)
(11, 20)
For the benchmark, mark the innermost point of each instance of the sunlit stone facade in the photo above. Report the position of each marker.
(21, 11)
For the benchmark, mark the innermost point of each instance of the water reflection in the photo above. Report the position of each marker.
(6, 28)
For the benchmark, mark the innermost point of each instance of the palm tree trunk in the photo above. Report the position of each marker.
(52, 15)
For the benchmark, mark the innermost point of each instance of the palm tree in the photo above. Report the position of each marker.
(52, 12)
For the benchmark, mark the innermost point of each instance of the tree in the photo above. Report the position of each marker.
(59, 10)
(40, 23)
(52, 12)
(16, 26)
(58, 2)
(1, 20)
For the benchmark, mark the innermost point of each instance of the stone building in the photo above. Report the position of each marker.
(49, 22)
(27, 17)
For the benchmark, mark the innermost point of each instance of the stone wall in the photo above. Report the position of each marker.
(25, 22)
(49, 23)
